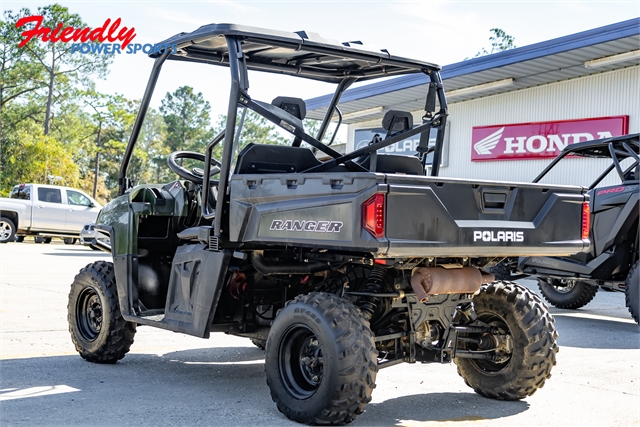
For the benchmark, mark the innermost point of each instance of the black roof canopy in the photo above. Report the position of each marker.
(600, 147)
(301, 53)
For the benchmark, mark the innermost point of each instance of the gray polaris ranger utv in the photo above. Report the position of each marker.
(613, 261)
(338, 267)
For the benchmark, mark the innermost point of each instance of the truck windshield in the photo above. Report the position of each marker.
(21, 192)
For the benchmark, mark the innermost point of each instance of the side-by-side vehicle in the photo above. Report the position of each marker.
(338, 267)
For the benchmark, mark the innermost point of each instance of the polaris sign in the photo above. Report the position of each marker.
(540, 140)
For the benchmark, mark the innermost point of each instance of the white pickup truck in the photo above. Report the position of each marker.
(45, 211)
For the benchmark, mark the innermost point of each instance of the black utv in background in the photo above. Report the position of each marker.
(339, 267)
(612, 261)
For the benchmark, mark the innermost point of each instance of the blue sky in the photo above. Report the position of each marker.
(441, 32)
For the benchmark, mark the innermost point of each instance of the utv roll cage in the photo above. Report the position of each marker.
(300, 54)
(616, 148)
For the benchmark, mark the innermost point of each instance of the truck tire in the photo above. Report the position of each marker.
(97, 328)
(7, 230)
(19, 239)
(69, 240)
(574, 294)
(321, 361)
(632, 291)
(521, 314)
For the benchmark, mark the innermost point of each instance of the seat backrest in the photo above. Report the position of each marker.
(395, 121)
(394, 163)
(264, 158)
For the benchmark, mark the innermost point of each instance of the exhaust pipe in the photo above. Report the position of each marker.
(268, 268)
(427, 281)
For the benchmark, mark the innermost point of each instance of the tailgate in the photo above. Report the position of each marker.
(446, 217)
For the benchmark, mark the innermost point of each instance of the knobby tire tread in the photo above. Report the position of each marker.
(357, 361)
(118, 341)
(540, 348)
(584, 294)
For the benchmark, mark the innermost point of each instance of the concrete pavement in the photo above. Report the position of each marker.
(170, 379)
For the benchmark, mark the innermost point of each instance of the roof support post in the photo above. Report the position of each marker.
(123, 182)
(444, 112)
(342, 86)
(238, 80)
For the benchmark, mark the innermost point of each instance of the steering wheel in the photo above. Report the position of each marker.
(195, 175)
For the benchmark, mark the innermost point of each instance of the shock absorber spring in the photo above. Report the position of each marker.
(375, 283)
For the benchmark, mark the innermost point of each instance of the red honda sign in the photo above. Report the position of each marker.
(540, 140)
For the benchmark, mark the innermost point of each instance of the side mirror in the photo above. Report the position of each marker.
(92, 205)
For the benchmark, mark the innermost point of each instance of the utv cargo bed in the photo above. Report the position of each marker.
(416, 216)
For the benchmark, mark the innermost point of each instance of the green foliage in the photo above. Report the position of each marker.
(62, 70)
(187, 116)
(19, 76)
(499, 41)
(54, 123)
(34, 157)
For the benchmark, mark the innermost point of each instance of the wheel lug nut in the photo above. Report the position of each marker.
(315, 378)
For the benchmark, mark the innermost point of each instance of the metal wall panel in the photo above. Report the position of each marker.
(613, 93)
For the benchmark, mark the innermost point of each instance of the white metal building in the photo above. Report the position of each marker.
(512, 111)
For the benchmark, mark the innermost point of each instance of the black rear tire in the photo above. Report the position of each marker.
(19, 239)
(519, 313)
(571, 294)
(7, 230)
(98, 331)
(632, 291)
(47, 240)
(321, 360)
(38, 239)
(69, 240)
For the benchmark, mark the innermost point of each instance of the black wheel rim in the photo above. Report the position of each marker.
(489, 341)
(563, 286)
(89, 314)
(301, 362)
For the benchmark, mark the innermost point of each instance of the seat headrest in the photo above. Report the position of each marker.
(397, 121)
(294, 106)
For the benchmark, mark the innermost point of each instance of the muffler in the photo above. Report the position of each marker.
(438, 280)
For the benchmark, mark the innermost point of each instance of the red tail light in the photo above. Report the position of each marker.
(373, 215)
(586, 220)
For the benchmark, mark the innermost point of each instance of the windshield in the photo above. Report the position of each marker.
(21, 192)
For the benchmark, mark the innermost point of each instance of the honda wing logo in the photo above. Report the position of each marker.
(487, 144)
(540, 140)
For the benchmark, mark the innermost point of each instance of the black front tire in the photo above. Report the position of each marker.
(70, 240)
(519, 313)
(632, 291)
(7, 230)
(98, 330)
(573, 294)
(321, 360)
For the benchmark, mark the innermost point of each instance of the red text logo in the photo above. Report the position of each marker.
(540, 140)
(108, 32)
